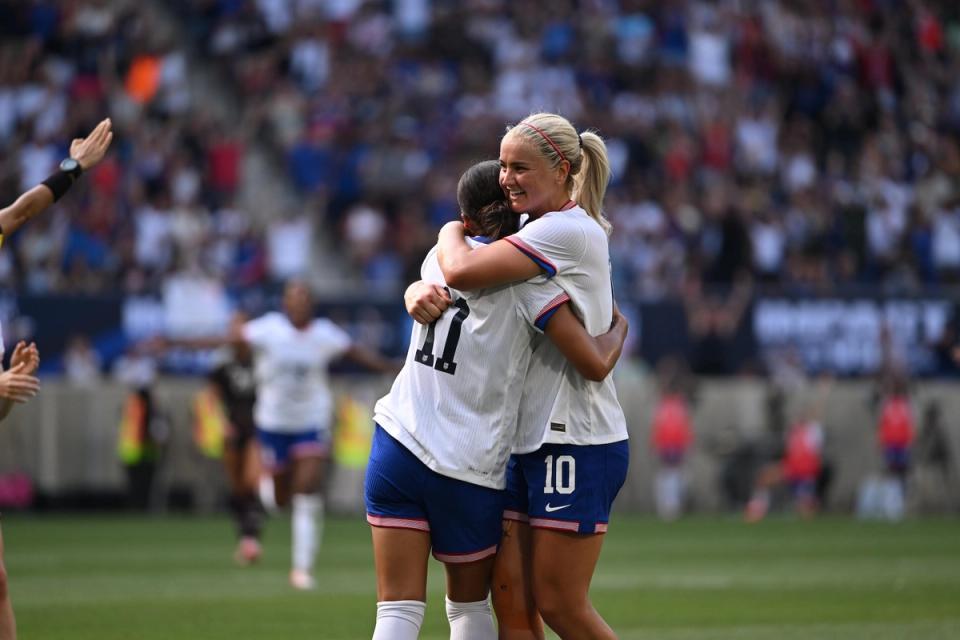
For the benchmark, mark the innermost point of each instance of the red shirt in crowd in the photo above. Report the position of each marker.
(671, 425)
(896, 423)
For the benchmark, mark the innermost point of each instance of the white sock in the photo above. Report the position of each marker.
(267, 496)
(470, 620)
(307, 528)
(399, 620)
(669, 492)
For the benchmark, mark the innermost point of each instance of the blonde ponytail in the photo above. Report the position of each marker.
(590, 182)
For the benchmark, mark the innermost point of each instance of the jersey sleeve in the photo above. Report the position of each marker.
(334, 338)
(430, 269)
(538, 302)
(257, 330)
(554, 243)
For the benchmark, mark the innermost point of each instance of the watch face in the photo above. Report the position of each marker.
(69, 164)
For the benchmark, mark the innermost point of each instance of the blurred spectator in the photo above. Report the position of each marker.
(81, 362)
(289, 244)
(799, 469)
(895, 435)
(933, 451)
(144, 431)
(671, 435)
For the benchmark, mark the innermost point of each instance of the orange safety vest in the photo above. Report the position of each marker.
(354, 433)
(210, 423)
(143, 78)
(132, 429)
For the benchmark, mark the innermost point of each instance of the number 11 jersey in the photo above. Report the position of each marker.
(455, 403)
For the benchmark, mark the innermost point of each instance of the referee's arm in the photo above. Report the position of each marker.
(84, 154)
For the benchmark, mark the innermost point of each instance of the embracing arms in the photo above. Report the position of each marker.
(466, 270)
(593, 356)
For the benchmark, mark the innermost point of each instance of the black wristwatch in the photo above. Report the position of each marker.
(72, 168)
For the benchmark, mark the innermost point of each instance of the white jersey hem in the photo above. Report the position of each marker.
(402, 436)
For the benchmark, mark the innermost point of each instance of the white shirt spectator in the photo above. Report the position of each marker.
(946, 239)
(710, 57)
(310, 62)
(81, 363)
(364, 230)
(37, 161)
(153, 229)
(799, 171)
(194, 305)
(757, 143)
(769, 245)
(277, 14)
(288, 248)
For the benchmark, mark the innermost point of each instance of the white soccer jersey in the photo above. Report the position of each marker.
(559, 405)
(293, 390)
(454, 404)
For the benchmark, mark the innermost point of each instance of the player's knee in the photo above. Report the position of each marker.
(559, 605)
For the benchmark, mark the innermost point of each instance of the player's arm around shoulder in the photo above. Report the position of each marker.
(594, 357)
(495, 264)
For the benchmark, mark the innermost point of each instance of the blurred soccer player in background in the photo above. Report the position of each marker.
(234, 384)
(671, 435)
(801, 466)
(293, 411)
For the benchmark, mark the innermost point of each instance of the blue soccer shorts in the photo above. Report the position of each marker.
(278, 448)
(897, 459)
(463, 519)
(566, 487)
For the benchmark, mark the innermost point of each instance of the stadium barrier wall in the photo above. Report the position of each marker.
(66, 440)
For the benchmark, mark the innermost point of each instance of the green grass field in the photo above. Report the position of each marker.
(126, 577)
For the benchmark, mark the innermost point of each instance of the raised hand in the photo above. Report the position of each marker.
(17, 386)
(28, 355)
(90, 150)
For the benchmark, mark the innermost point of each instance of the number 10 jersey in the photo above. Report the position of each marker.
(455, 403)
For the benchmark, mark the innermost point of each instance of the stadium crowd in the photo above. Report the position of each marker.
(811, 145)
(162, 204)
(806, 147)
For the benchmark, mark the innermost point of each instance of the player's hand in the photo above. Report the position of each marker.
(17, 386)
(28, 355)
(618, 318)
(90, 150)
(426, 301)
